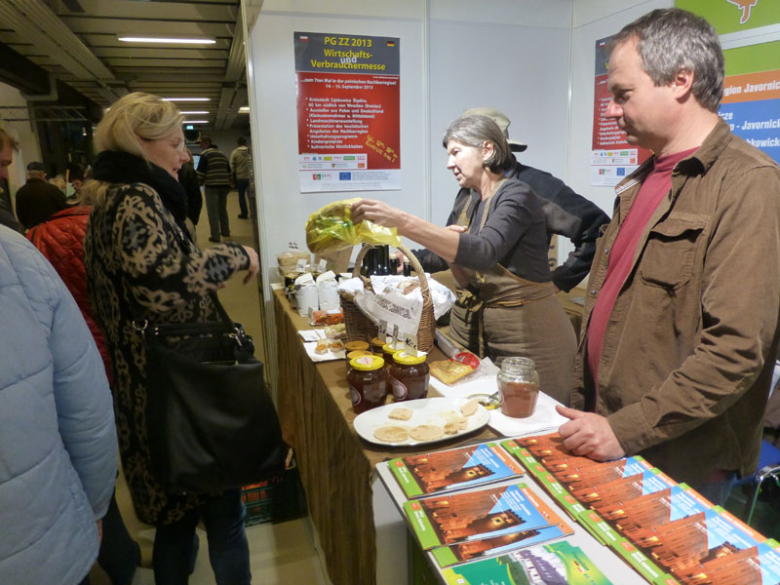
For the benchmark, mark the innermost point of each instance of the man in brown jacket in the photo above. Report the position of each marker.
(681, 317)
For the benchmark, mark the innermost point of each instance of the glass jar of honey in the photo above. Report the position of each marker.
(367, 379)
(518, 387)
(389, 350)
(376, 346)
(356, 346)
(409, 376)
(352, 355)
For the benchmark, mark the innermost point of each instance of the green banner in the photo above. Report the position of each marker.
(752, 59)
(729, 16)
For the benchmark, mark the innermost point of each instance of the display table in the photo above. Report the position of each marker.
(348, 505)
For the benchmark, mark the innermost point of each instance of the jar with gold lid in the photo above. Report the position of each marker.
(367, 379)
(409, 376)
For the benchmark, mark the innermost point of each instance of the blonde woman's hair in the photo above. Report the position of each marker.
(131, 120)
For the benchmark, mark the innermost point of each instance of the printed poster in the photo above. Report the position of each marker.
(612, 157)
(348, 99)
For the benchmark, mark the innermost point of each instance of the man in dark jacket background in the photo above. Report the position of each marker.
(37, 200)
(214, 174)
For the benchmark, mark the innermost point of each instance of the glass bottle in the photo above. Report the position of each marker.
(518, 387)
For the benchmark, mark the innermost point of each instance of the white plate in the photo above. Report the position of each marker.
(426, 411)
(328, 356)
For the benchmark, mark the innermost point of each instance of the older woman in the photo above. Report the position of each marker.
(497, 250)
(141, 264)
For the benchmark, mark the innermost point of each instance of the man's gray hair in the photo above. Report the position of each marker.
(475, 131)
(670, 40)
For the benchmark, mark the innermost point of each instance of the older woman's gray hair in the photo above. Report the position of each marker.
(475, 131)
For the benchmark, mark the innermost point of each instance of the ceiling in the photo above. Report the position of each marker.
(76, 42)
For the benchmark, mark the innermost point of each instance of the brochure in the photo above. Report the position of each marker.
(550, 564)
(599, 474)
(684, 545)
(475, 515)
(464, 551)
(453, 469)
(652, 480)
(757, 564)
(549, 482)
(675, 503)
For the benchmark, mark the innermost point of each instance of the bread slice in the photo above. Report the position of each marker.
(448, 371)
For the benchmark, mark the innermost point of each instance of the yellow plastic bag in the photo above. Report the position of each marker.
(331, 229)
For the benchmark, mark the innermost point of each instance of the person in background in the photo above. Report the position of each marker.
(497, 250)
(58, 441)
(214, 173)
(241, 169)
(565, 212)
(188, 178)
(681, 317)
(74, 177)
(59, 182)
(37, 200)
(7, 147)
(156, 274)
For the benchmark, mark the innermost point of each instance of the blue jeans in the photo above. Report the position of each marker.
(242, 185)
(223, 517)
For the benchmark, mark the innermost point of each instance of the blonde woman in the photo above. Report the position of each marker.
(142, 263)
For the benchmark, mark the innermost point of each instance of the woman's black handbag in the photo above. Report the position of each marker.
(211, 422)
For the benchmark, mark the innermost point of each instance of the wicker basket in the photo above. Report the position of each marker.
(362, 328)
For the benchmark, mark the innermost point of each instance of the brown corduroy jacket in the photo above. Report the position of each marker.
(689, 347)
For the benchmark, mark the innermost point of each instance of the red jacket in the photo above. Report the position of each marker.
(61, 240)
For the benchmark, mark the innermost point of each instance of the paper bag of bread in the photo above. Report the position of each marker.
(449, 371)
(331, 229)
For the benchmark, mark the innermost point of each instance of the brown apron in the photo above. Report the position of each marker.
(511, 316)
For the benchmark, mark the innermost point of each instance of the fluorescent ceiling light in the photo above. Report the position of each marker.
(194, 113)
(197, 122)
(186, 99)
(243, 110)
(170, 40)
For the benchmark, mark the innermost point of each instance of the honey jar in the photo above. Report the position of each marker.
(409, 376)
(367, 379)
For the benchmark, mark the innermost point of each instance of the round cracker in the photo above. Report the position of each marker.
(401, 413)
(451, 428)
(426, 432)
(391, 434)
(469, 408)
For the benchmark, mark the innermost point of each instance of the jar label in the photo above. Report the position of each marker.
(400, 391)
(354, 395)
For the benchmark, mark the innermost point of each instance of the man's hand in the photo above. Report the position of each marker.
(254, 264)
(460, 229)
(589, 435)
